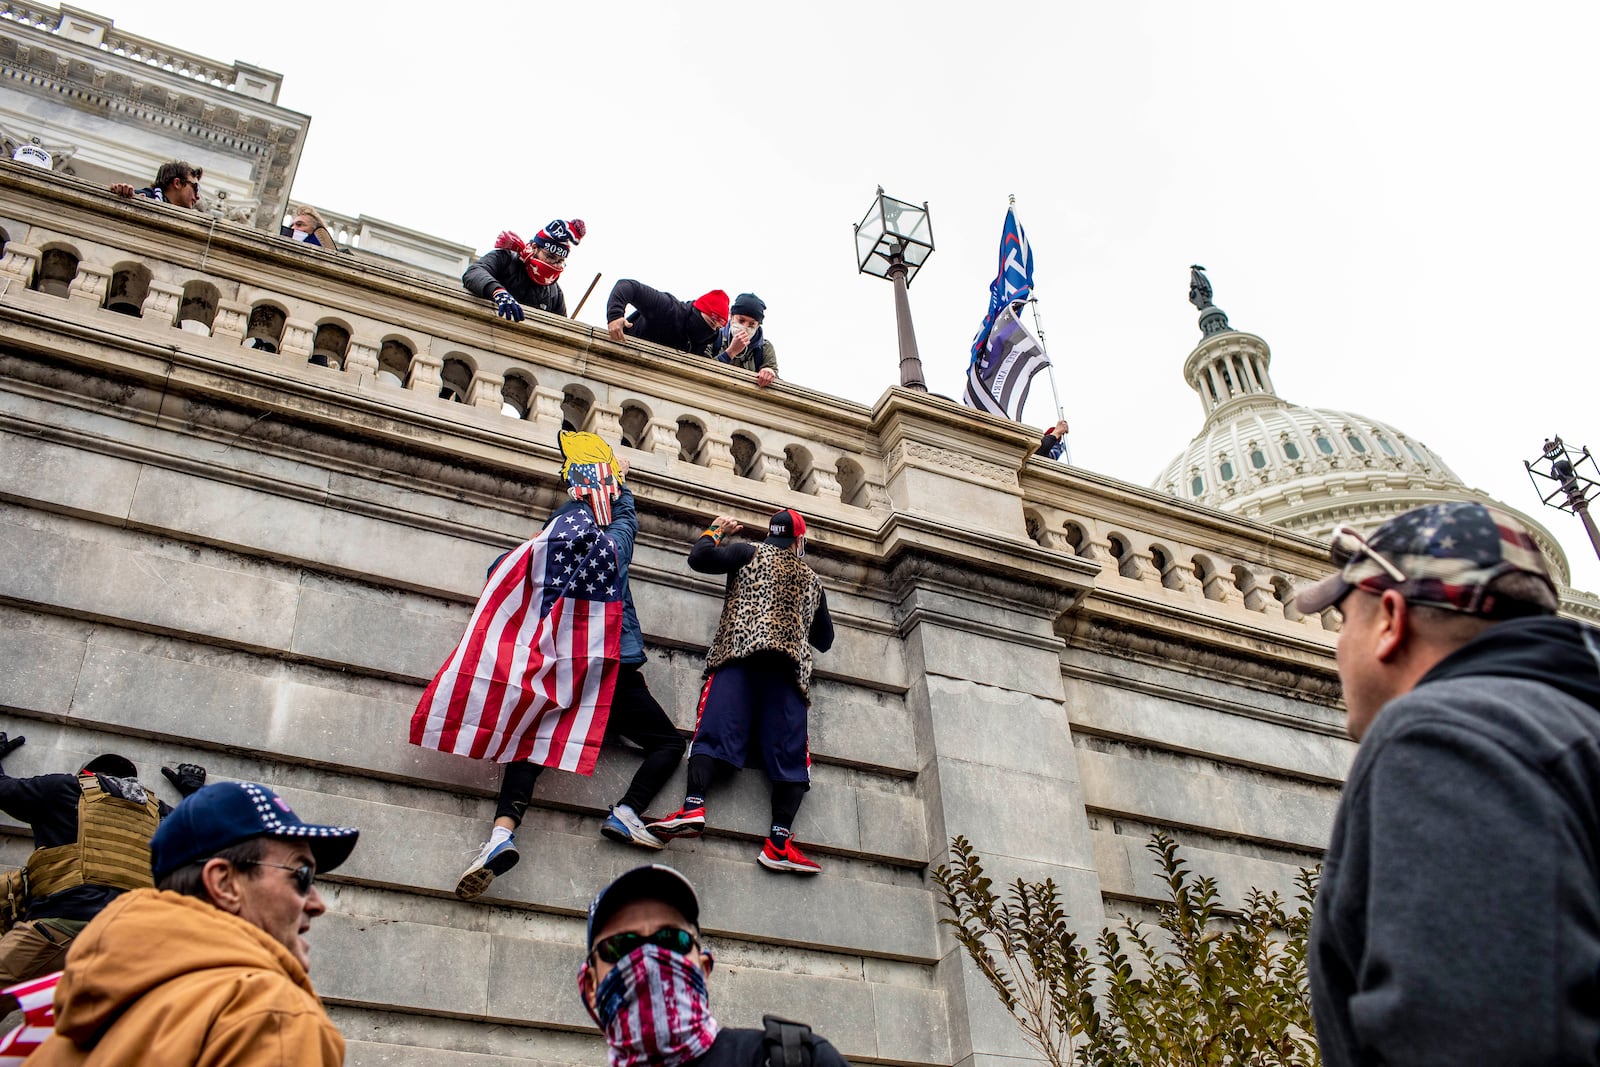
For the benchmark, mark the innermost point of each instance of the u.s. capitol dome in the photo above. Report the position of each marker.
(1300, 468)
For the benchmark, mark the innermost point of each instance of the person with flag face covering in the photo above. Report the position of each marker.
(643, 982)
(756, 694)
(520, 273)
(523, 688)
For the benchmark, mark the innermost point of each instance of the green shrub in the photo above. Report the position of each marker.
(1214, 991)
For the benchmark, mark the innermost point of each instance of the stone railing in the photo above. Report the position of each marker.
(373, 336)
(98, 32)
(220, 292)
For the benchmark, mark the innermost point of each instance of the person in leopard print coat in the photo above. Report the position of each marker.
(758, 678)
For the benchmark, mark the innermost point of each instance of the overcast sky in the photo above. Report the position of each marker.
(1394, 196)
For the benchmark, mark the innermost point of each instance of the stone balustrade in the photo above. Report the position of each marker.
(234, 303)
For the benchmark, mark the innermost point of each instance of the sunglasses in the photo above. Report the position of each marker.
(672, 938)
(305, 875)
(1347, 546)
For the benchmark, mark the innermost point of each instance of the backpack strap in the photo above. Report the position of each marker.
(788, 1043)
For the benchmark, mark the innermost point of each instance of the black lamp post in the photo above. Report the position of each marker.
(893, 242)
(1564, 467)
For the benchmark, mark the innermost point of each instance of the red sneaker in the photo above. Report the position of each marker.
(685, 822)
(787, 858)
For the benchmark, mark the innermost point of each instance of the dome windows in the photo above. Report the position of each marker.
(1356, 444)
(1258, 458)
(1324, 445)
(1290, 449)
(1388, 449)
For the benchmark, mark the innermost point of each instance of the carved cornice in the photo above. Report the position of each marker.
(946, 460)
(1213, 658)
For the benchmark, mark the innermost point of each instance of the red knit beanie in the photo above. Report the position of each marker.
(714, 303)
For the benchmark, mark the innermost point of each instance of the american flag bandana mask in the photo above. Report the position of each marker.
(594, 484)
(655, 1009)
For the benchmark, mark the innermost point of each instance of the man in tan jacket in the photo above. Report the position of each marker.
(211, 965)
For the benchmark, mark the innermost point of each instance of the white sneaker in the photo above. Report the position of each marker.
(630, 830)
(493, 861)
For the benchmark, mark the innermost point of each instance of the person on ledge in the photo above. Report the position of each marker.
(176, 183)
(91, 836)
(518, 273)
(1054, 441)
(743, 343)
(758, 678)
(643, 982)
(688, 326)
(309, 228)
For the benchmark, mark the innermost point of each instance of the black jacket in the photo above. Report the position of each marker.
(1458, 920)
(661, 318)
(746, 1048)
(502, 269)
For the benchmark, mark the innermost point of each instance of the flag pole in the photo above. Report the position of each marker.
(1033, 301)
(1049, 365)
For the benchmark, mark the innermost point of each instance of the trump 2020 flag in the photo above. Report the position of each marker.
(998, 381)
(533, 677)
(1013, 281)
(37, 1000)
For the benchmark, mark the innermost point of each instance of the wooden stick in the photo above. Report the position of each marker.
(586, 293)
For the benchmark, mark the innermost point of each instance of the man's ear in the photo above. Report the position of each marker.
(221, 880)
(1393, 626)
(586, 987)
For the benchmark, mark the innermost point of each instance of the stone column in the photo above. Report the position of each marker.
(161, 303)
(546, 409)
(362, 357)
(661, 437)
(298, 336)
(89, 286)
(18, 265)
(606, 421)
(425, 374)
(485, 392)
(717, 451)
(233, 318)
(996, 758)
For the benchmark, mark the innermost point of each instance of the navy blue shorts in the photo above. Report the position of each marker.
(754, 705)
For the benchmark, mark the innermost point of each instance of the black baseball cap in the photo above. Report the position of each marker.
(655, 881)
(784, 527)
(225, 813)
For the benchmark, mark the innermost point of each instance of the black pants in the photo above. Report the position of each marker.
(635, 716)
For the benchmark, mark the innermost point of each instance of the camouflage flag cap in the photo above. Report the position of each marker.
(1441, 555)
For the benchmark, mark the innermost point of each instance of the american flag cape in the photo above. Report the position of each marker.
(38, 1019)
(999, 382)
(1013, 280)
(533, 676)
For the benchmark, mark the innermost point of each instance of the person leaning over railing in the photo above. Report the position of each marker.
(176, 183)
(309, 228)
(743, 341)
(518, 272)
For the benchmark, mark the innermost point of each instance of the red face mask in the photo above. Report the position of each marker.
(541, 272)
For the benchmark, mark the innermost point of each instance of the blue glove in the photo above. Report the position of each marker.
(506, 306)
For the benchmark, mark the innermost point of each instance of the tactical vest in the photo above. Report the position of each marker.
(770, 606)
(113, 846)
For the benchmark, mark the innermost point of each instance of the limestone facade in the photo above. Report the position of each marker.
(254, 562)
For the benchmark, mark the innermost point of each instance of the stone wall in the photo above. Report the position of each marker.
(231, 556)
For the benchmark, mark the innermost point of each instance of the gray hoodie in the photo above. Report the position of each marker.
(1458, 920)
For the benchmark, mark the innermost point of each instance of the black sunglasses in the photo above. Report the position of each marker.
(305, 875)
(672, 938)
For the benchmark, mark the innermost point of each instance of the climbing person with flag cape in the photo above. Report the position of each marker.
(551, 663)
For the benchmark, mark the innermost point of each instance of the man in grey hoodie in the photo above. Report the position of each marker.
(1458, 919)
